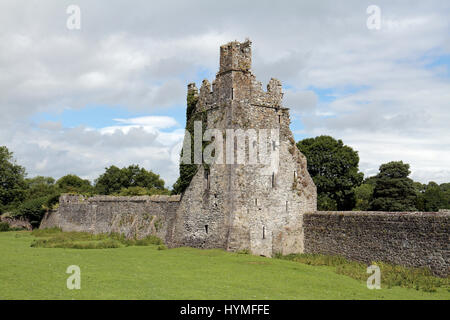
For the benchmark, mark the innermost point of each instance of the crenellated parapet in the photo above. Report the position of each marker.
(235, 82)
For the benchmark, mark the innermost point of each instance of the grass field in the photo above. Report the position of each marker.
(143, 272)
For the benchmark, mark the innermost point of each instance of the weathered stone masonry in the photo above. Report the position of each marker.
(414, 239)
(131, 216)
(244, 206)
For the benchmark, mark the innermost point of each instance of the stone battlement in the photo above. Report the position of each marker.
(236, 56)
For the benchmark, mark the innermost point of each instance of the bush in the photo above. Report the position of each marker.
(4, 227)
(33, 210)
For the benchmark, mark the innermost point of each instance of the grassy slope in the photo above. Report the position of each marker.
(182, 273)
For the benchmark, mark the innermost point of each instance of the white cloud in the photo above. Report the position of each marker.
(87, 151)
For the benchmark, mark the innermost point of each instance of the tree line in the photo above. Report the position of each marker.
(30, 198)
(334, 167)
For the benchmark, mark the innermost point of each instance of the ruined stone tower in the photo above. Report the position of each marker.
(246, 206)
(253, 205)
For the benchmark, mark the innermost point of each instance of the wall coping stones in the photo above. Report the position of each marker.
(382, 213)
(74, 198)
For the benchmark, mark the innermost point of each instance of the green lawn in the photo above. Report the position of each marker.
(184, 273)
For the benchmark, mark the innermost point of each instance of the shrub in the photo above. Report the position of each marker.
(4, 227)
(32, 210)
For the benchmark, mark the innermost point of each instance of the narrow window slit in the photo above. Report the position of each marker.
(264, 232)
(206, 228)
(207, 179)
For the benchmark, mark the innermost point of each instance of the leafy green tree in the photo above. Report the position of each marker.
(39, 187)
(394, 191)
(433, 197)
(445, 187)
(363, 195)
(115, 179)
(334, 168)
(73, 183)
(420, 188)
(325, 203)
(12, 180)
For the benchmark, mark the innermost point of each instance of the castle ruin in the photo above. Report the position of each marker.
(235, 206)
(262, 207)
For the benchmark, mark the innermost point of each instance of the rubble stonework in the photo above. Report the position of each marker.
(138, 216)
(414, 239)
(258, 207)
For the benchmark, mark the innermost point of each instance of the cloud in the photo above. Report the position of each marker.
(300, 102)
(85, 151)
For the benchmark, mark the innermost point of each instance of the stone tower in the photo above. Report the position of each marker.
(246, 206)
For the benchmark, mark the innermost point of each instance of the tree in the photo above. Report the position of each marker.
(394, 191)
(12, 180)
(40, 186)
(432, 197)
(334, 168)
(75, 184)
(419, 188)
(445, 187)
(363, 195)
(115, 179)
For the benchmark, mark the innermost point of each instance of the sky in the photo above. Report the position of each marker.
(114, 91)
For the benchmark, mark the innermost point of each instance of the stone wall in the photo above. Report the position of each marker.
(132, 216)
(15, 222)
(414, 239)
